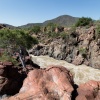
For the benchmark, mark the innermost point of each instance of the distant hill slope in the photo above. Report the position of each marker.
(64, 20)
(8, 26)
(30, 25)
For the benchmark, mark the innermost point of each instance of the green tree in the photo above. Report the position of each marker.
(16, 40)
(84, 21)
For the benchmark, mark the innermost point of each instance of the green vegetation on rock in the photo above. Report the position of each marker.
(98, 32)
(83, 52)
(84, 21)
(15, 41)
(36, 29)
(5, 57)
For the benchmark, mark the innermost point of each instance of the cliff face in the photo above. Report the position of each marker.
(81, 47)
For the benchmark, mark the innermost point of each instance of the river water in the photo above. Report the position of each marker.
(81, 73)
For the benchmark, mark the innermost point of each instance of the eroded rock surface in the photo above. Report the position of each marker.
(89, 91)
(52, 83)
(11, 78)
(81, 47)
(81, 73)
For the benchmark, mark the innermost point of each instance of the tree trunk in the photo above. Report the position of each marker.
(22, 59)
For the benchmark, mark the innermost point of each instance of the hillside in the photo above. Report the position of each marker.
(30, 25)
(64, 20)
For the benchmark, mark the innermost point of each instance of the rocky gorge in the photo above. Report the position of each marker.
(80, 47)
(54, 80)
(66, 68)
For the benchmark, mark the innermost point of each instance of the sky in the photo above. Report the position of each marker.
(20, 12)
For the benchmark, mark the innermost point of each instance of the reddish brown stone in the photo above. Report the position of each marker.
(7, 64)
(53, 83)
(89, 91)
(1, 66)
(10, 79)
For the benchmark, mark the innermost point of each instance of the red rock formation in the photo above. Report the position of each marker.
(52, 83)
(89, 91)
(10, 78)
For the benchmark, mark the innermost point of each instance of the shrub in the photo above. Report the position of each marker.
(84, 21)
(83, 51)
(6, 57)
(64, 35)
(52, 34)
(36, 29)
(97, 32)
(50, 27)
(16, 41)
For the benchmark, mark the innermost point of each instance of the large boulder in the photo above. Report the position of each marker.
(52, 83)
(81, 73)
(89, 91)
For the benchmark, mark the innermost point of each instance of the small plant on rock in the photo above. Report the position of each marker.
(83, 52)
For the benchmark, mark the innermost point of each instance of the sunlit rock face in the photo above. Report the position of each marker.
(80, 47)
(81, 73)
(89, 91)
(59, 80)
(52, 83)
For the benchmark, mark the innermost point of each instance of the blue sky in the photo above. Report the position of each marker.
(20, 12)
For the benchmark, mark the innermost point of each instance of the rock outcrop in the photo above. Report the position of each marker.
(89, 91)
(11, 78)
(81, 73)
(81, 47)
(55, 83)
(52, 83)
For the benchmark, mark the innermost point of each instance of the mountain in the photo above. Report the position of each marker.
(30, 25)
(64, 20)
(7, 25)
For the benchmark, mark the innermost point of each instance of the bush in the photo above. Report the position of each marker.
(52, 34)
(64, 35)
(16, 38)
(98, 32)
(36, 29)
(83, 52)
(84, 21)
(15, 41)
(6, 57)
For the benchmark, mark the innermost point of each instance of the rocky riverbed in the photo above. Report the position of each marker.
(81, 73)
(79, 47)
(54, 80)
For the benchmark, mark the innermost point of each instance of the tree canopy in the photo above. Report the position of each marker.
(84, 21)
(16, 41)
(16, 38)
